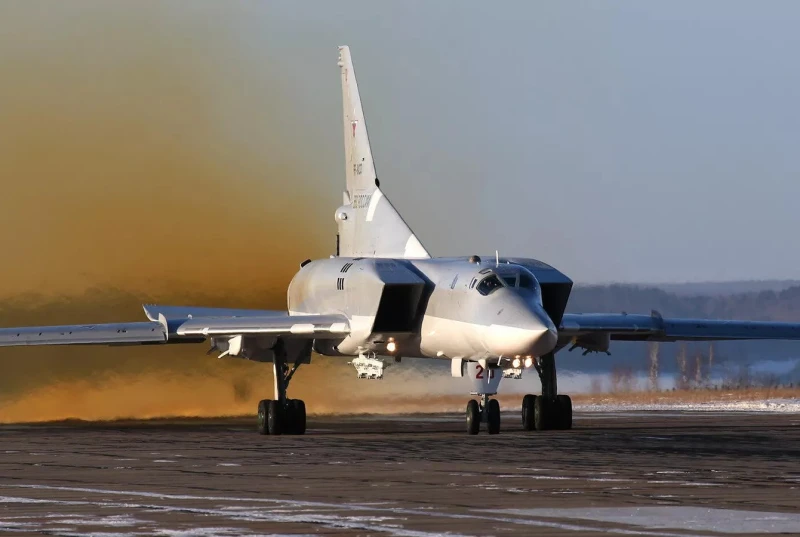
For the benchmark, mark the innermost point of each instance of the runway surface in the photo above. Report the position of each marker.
(635, 473)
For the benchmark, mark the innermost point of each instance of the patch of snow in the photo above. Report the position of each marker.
(676, 518)
(788, 406)
(525, 476)
(201, 532)
(88, 520)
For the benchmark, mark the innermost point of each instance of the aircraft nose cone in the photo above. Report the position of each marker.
(545, 342)
(534, 335)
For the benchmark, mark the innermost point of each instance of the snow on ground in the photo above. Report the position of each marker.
(789, 406)
(685, 518)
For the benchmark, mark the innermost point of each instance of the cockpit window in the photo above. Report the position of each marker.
(510, 280)
(527, 281)
(489, 285)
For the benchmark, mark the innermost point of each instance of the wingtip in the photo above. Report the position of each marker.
(146, 308)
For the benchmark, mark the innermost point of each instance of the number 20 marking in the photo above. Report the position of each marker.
(480, 370)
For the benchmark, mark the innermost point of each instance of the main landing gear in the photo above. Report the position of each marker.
(274, 418)
(549, 410)
(283, 415)
(487, 411)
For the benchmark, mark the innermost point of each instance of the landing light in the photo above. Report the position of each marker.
(528, 361)
(516, 363)
(391, 346)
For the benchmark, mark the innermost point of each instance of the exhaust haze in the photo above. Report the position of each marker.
(146, 158)
(140, 149)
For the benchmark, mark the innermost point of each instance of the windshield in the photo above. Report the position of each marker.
(511, 281)
(489, 285)
(527, 281)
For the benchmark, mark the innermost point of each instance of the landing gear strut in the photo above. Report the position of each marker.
(487, 411)
(549, 410)
(283, 415)
(485, 380)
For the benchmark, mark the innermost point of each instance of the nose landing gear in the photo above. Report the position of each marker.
(485, 380)
(488, 411)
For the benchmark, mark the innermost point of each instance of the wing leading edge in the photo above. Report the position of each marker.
(654, 327)
(171, 324)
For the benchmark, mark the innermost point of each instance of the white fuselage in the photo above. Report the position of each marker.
(433, 308)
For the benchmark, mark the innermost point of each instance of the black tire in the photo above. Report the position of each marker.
(274, 417)
(298, 413)
(262, 417)
(542, 415)
(528, 412)
(287, 423)
(564, 405)
(473, 417)
(493, 411)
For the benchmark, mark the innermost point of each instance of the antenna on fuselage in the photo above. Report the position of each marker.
(496, 258)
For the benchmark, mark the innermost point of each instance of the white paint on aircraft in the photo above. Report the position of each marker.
(339, 328)
(414, 249)
(373, 204)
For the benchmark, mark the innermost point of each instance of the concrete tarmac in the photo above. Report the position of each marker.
(636, 473)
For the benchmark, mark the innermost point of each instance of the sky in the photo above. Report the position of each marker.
(620, 141)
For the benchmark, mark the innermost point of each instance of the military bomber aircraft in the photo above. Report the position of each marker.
(383, 295)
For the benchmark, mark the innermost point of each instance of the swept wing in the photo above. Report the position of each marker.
(85, 334)
(654, 327)
(181, 324)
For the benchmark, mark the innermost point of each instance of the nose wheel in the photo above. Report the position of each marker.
(487, 411)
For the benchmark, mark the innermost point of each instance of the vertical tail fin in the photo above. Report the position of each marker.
(369, 225)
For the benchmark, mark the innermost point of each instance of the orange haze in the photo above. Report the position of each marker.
(145, 156)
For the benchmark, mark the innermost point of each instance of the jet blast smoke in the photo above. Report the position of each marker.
(140, 149)
(146, 156)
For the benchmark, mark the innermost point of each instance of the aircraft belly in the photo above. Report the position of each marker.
(449, 338)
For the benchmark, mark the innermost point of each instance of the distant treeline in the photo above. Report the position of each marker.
(763, 305)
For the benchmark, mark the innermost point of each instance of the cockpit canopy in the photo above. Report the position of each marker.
(489, 284)
(511, 276)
